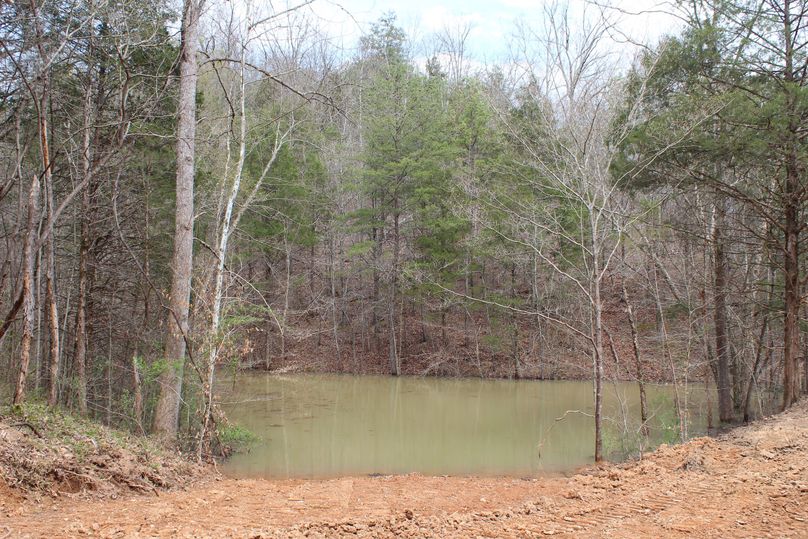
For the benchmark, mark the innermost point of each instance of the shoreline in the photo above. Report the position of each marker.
(492, 377)
(749, 481)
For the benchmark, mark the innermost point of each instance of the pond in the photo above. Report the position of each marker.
(319, 426)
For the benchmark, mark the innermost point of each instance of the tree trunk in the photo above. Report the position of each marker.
(791, 338)
(137, 408)
(286, 291)
(468, 286)
(52, 306)
(635, 345)
(792, 202)
(597, 330)
(137, 386)
(166, 416)
(333, 283)
(80, 346)
(28, 290)
(514, 326)
(753, 375)
(108, 418)
(723, 382)
(377, 236)
(29, 255)
(393, 352)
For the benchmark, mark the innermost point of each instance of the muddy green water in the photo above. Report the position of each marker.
(332, 425)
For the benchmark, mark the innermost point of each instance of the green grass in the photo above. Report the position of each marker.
(236, 437)
(80, 435)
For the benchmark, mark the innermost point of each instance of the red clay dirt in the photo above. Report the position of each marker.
(751, 482)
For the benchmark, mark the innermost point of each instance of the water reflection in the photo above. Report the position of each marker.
(332, 425)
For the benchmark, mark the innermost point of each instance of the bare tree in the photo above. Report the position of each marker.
(243, 29)
(569, 95)
(453, 43)
(565, 206)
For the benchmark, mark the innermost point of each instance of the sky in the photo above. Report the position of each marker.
(492, 22)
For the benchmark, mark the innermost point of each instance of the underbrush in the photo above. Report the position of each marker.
(45, 450)
(235, 438)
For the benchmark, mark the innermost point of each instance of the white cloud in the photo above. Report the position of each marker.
(492, 22)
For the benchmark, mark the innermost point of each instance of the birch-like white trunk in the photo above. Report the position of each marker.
(228, 223)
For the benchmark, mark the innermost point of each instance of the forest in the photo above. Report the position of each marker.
(215, 187)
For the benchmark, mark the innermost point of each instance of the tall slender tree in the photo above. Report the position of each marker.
(166, 416)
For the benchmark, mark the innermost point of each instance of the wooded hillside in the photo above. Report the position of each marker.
(243, 193)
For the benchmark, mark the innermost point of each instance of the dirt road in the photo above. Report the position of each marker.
(752, 482)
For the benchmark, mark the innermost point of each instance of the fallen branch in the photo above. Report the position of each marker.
(30, 426)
